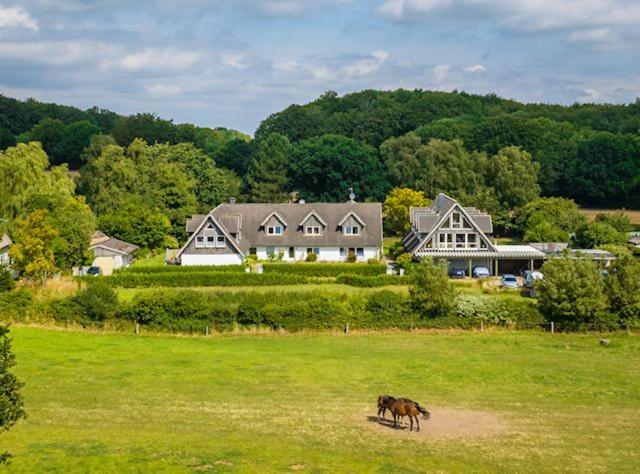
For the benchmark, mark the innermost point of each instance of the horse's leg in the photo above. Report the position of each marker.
(417, 423)
(410, 423)
(395, 421)
(384, 411)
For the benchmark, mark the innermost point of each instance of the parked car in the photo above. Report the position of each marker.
(481, 272)
(458, 274)
(531, 276)
(94, 271)
(509, 281)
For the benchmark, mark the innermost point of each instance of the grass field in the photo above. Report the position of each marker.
(634, 216)
(501, 401)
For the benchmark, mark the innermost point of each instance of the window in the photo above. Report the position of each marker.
(456, 220)
(343, 252)
(315, 250)
(360, 252)
(472, 241)
(460, 241)
(292, 252)
(312, 230)
(211, 241)
(445, 241)
(271, 251)
(220, 241)
(352, 230)
(252, 251)
(274, 230)
(199, 242)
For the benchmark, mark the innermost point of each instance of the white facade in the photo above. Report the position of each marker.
(210, 259)
(325, 253)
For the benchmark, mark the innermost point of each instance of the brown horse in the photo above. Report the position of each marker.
(402, 407)
(384, 404)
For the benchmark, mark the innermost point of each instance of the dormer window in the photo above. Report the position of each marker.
(352, 230)
(274, 230)
(312, 230)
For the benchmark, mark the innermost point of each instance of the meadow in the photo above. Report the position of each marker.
(500, 401)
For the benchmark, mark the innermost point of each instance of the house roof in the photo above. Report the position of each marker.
(5, 241)
(424, 219)
(251, 217)
(552, 249)
(111, 243)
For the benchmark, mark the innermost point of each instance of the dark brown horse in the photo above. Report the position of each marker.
(402, 407)
(384, 404)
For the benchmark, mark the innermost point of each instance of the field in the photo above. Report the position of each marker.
(500, 401)
(633, 215)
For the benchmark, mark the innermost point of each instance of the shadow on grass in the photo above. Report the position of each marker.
(385, 422)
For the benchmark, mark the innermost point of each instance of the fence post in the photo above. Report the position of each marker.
(346, 329)
(553, 327)
(206, 330)
(137, 328)
(481, 325)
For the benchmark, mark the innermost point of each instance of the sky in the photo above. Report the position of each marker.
(231, 63)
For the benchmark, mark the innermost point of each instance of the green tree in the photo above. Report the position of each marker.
(596, 234)
(49, 133)
(97, 143)
(573, 293)
(6, 279)
(514, 177)
(325, 167)
(11, 402)
(623, 289)
(74, 139)
(6, 138)
(267, 175)
(619, 220)
(430, 292)
(396, 209)
(148, 127)
(33, 249)
(545, 231)
(21, 168)
(561, 213)
(235, 155)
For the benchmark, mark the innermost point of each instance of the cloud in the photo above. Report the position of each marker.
(14, 17)
(366, 66)
(234, 60)
(55, 53)
(405, 9)
(153, 59)
(440, 72)
(476, 69)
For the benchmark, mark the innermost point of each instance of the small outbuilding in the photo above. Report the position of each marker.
(111, 253)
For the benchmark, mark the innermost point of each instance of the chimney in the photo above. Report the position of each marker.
(440, 201)
(352, 196)
(232, 200)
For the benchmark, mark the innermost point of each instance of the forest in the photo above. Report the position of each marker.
(138, 177)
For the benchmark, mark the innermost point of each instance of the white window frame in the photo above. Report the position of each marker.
(220, 241)
(349, 230)
(312, 230)
(456, 220)
(360, 252)
(200, 242)
(271, 230)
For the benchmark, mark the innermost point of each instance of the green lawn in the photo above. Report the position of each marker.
(500, 401)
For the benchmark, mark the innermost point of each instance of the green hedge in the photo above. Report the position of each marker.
(181, 269)
(14, 304)
(325, 269)
(133, 280)
(372, 281)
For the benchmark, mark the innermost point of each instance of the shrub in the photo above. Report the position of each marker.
(623, 289)
(132, 280)
(14, 304)
(573, 294)
(98, 301)
(372, 281)
(6, 280)
(387, 309)
(404, 260)
(351, 257)
(312, 257)
(498, 311)
(325, 269)
(431, 292)
(181, 269)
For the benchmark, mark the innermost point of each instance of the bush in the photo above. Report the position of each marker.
(372, 281)
(573, 294)
(133, 280)
(498, 311)
(14, 304)
(431, 292)
(623, 290)
(98, 301)
(181, 269)
(387, 309)
(325, 269)
(6, 280)
(311, 257)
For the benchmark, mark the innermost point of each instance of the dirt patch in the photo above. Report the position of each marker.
(445, 423)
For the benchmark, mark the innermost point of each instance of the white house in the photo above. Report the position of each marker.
(290, 231)
(110, 253)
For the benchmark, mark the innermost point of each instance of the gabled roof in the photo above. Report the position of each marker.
(115, 245)
(355, 216)
(317, 216)
(252, 217)
(211, 218)
(271, 214)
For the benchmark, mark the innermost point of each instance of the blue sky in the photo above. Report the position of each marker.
(232, 63)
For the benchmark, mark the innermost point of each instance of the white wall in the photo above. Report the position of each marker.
(210, 259)
(327, 254)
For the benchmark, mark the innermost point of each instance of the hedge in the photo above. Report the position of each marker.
(14, 304)
(372, 281)
(133, 280)
(325, 269)
(181, 269)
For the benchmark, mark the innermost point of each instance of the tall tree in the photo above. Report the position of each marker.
(431, 293)
(21, 168)
(32, 252)
(267, 175)
(324, 168)
(11, 402)
(396, 209)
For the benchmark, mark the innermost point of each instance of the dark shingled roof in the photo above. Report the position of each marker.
(424, 219)
(117, 245)
(245, 220)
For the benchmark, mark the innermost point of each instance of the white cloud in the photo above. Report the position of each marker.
(163, 89)
(282, 8)
(14, 17)
(592, 35)
(476, 69)
(56, 53)
(286, 65)
(404, 9)
(234, 60)
(157, 59)
(440, 72)
(365, 66)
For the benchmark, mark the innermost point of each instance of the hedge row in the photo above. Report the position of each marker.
(325, 269)
(372, 281)
(133, 280)
(181, 269)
